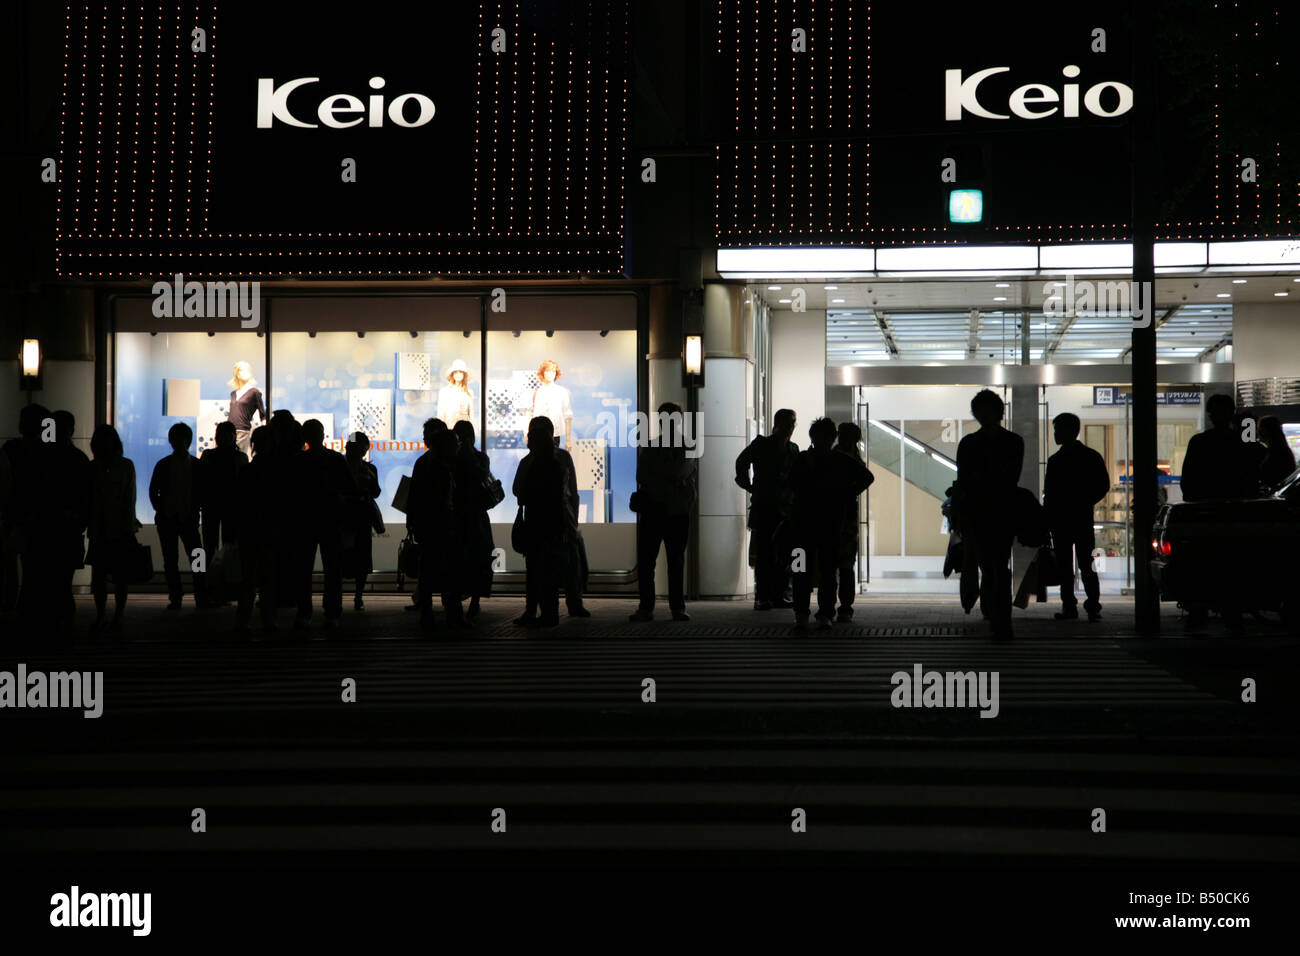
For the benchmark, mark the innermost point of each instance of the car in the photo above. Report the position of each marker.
(1243, 554)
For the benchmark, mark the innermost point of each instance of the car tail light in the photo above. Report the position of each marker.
(1161, 547)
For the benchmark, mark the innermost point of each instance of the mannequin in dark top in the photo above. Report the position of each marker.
(1076, 479)
(245, 399)
(988, 470)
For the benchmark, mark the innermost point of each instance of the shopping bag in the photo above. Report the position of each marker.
(137, 563)
(1028, 585)
(403, 495)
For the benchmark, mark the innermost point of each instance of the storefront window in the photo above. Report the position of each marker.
(385, 384)
(168, 377)
(591, 400)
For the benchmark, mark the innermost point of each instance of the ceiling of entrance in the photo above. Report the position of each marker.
(954, 321)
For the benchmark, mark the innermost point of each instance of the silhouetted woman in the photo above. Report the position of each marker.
(112, 521)
(363, 517)
(473, 529)
(1279, 460)
(540, 488)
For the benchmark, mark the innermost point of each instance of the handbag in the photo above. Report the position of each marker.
(137, 563)
(408, 557)
(519, 533)
(493, 492)
(376, 519)
(634, 503)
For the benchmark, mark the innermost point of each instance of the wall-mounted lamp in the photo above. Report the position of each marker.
(516, 333)
(414, 334)
(212, 335)
(550, 333)
(311, 335)
(361, 334)
(465, 333)
(693, 362)
(604, 332)
(30, 362)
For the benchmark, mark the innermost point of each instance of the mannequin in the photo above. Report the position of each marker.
(245, 400)
(552, 400)
(455, 403)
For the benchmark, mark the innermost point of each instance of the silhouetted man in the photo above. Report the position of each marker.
(174, 494)
(71, 472)
(430, 517)
(220, 468)
(326, 487)
(667, 487)
(1076, 480)
(770, 456)
(823, 482)
(1217, 464)
(988, 469)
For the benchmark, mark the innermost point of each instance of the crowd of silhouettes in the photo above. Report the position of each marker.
(249, 531)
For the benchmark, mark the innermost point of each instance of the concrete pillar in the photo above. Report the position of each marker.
(726, 406)
(1024, 415)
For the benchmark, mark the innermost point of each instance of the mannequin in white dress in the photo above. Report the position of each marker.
(455, 403)
(552, 400)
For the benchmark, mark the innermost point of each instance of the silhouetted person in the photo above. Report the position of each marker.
(174, 493)
(219, 471)
(284, 451)
(988, 470)
(262, 530)
(575, 566)
(667, 484)
(541, 487)
(1076, 479)
(473, 528)
(113, 523)
(220, 502)
(430, 518)
(325, 487)
(823, 482)
(1279, 460)
(8, 538)
(770, 457)
(847, 437)
(31, 461)
(363, 516)
(71, 473)
(1217, 464)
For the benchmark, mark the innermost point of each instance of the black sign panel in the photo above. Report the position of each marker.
(401, 140)
(853, 122)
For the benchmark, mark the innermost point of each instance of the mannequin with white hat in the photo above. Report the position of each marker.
(455, 404)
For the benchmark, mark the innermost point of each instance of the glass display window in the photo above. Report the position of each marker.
(162, 378)
(385, 384)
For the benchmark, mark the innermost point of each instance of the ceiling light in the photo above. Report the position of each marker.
(1281, 294)
(1238, 281)
(841, 301)
(999, 298)
(831, 288)
(774, 288)
(783, 301)
(1003, 285)
(1225, 295)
